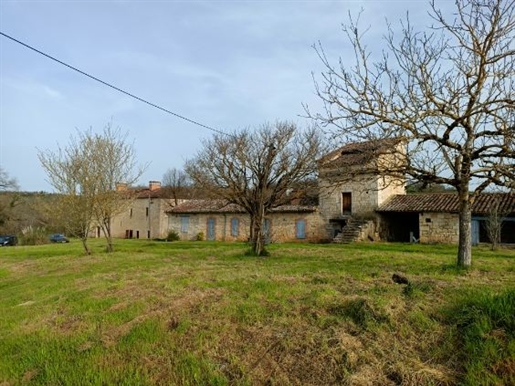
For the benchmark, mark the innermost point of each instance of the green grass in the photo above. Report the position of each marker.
(205, 313)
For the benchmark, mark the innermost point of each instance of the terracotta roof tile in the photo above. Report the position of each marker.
(206, 206)
(359, 153)
(221, 206)
(156, 193)
(162, 192)
(447, 202)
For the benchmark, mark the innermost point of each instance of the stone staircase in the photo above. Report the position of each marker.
(352, 231)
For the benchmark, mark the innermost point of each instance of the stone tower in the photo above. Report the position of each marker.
(355, 179)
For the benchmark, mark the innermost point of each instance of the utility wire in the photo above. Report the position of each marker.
(114, 87)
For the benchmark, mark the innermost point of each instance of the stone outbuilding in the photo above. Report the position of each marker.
(218, 220)
(433, 217)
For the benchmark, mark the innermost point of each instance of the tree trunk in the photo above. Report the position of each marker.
(257, 235)
(85, 245)
(465, 231)
(251, 234)
(259, 240)
(109, 241)
(106, 228)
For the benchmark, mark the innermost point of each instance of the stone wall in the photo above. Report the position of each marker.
(197, 224)
(367, 194)
(282, 226)
(144, 217)
(388, 187)
(438, 228)
(363, 192)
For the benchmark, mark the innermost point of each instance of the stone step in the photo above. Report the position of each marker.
(350, 232)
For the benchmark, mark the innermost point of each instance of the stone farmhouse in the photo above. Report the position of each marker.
(146, 217)
(359, 200)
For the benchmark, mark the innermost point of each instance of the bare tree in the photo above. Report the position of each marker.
(6, 182)
(9, 198)
(177, 183)
(71, 174)
(256, 169)
(86, 174)
(495, 220)
(116, 163)
(447, 92)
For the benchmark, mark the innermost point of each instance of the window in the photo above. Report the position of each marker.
(300, 229)
(235, 227)
(130, 213)
(146, 213)
(185, 222)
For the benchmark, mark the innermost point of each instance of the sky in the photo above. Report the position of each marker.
(226, 64)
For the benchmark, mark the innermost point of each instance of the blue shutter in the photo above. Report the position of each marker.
(235, 224)
(300, 229)
(211, 234)
(185, 221)
(266, 231)
(475, 232)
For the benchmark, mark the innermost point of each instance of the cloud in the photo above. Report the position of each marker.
(30, 87)
(51, 92)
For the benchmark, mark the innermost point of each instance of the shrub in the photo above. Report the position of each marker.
(34, 236)
(200, 236)
(173, 236)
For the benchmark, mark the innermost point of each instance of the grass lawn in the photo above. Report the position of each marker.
(201, 313)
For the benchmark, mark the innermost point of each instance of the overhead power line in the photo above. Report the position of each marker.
(114, 87)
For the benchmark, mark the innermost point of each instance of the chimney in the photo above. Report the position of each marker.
(154, 185)
(121, 186)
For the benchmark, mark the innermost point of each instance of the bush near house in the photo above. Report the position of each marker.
(189, 313)
(173, 236)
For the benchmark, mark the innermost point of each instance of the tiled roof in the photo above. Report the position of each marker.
(156, 193)
(448, 202)
(359, 153)
(163, 192)
(221, 206)
(206, 206)
(295, 208)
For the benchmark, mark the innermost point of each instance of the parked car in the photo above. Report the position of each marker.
(8, 240)
(58, 238)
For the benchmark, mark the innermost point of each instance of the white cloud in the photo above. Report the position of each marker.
(52, 92)
(30, 87)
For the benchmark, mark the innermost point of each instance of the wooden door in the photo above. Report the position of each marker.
(346, 203)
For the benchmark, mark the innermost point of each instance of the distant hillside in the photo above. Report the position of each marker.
(19, 210)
